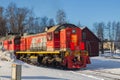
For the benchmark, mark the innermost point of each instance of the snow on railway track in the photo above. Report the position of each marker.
(103, 75)
(87, 75)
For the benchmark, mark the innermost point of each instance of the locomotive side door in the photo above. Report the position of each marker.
(57, 40)
(68, 37)
(17, 43)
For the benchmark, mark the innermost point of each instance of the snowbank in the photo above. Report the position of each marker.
(99, 64)
(109, 54)
(7, 55)
(117, 51)
(30, 72)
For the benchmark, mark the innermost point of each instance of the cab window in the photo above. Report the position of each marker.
(0, 43)
(17, 41)
(57, 35)
(10, 42)
(74, 31)
(49, 36)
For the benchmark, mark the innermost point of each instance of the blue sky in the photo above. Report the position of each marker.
(85, 11)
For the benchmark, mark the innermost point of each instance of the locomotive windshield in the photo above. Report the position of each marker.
(73, 31)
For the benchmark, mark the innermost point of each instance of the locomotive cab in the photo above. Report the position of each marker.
(53, 39)
(67, 39)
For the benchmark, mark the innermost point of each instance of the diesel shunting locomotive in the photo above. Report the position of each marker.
(60, 45)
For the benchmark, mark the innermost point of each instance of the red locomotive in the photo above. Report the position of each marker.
(60, 45)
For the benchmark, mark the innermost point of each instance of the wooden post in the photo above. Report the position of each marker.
(16, 72)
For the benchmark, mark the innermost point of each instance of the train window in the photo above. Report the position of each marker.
(56, 32)
(73, 31)
(10, 42)
(57, 35)
(49, 36)
(0, 43)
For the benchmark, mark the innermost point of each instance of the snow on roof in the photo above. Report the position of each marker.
(83, 27)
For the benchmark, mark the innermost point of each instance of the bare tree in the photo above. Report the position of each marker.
(37, 25)
(113, 30)
(43, 23)
(117, 31)
(61, 17)
(11, 17)
(118, 35)
(30, 25)
(111, 34)
(99, 27)
(3, 28)
(21, 16)
(79, 24)
(17, 18)
(1, 11)
(100, 31)
(109, 30)
(51, 22)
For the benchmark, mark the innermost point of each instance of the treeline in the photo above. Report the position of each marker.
(15, 19)
(109, 32)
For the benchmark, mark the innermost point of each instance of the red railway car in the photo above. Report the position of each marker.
(60, 45)
(11, 43)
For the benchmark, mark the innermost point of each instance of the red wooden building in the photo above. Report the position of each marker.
(91, 40)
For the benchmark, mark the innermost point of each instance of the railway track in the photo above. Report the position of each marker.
(101, 74)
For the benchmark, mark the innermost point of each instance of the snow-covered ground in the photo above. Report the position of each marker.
(101, 68)
(106, 68)
(30, 72)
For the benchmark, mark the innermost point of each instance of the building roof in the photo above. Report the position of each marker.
(84, 28)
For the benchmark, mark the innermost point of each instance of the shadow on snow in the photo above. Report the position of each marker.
(35, 77)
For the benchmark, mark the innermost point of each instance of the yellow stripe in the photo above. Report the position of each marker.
(33, 57)
(41, 52)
